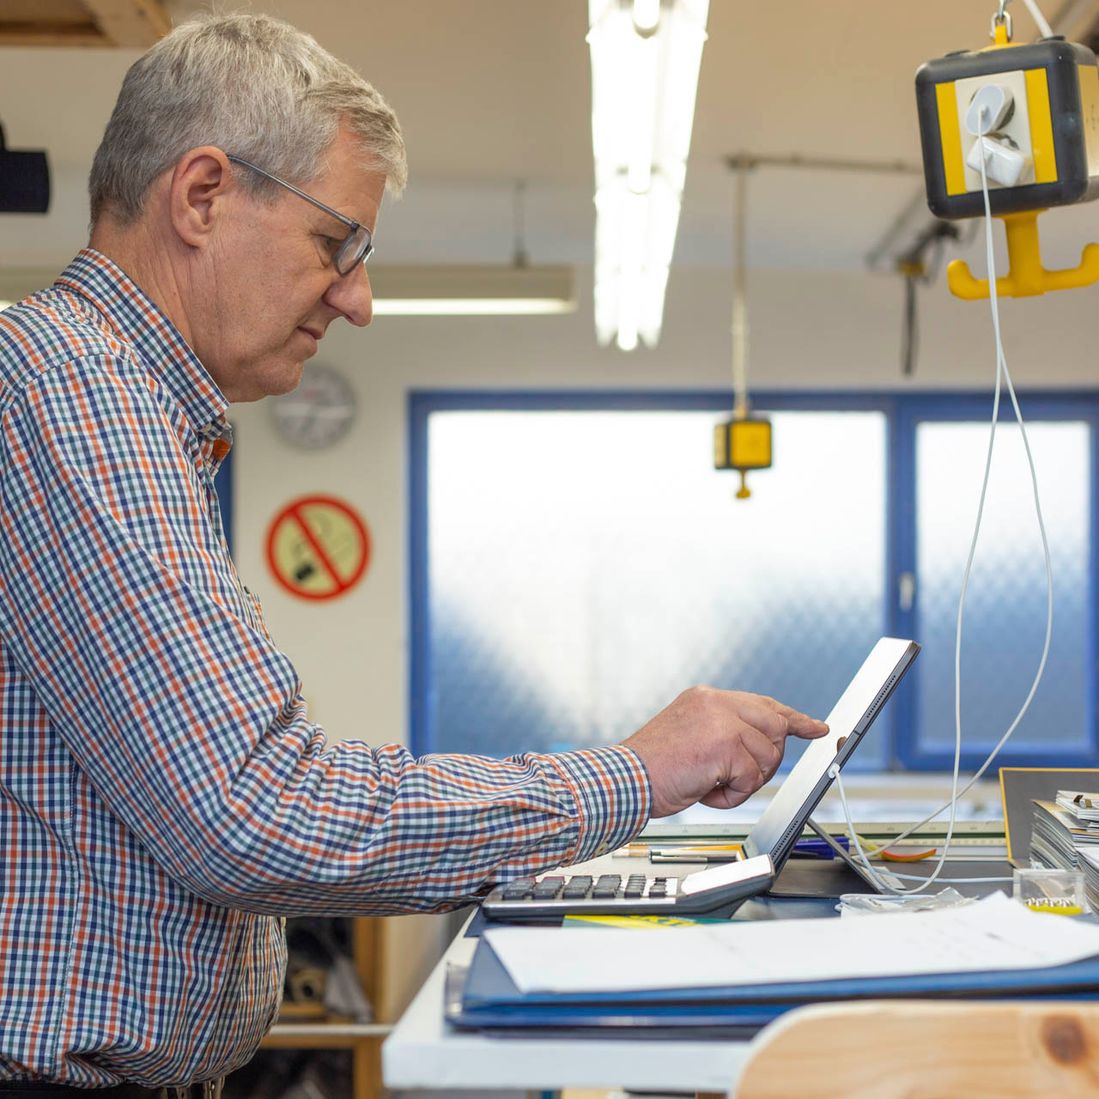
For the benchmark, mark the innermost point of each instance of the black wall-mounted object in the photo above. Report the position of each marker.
(24, 180)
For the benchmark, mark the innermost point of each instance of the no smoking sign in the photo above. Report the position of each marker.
(318, 547)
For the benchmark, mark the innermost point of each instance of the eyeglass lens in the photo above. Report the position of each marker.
(356, 248)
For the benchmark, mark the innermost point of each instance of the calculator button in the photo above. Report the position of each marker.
(548, 888)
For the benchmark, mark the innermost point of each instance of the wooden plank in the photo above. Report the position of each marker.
(366, 949)
(366, 1070)
(924, 1049)
(130, 22)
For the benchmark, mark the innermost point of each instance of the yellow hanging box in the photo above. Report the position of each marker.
(743, 443)
(1031, 112)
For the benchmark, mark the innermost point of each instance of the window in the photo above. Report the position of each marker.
(577, 562)
(1006, 601)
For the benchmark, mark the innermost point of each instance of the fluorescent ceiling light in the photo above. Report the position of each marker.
(645, 57)
(468, 307)
(472, 290)
(430, 290)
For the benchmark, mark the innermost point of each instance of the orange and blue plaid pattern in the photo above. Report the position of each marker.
(163, 793)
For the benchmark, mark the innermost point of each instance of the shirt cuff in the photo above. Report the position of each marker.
(613, 797)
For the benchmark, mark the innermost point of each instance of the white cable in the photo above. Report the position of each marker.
(877, 878)
(1044, 28)
(1001, 374)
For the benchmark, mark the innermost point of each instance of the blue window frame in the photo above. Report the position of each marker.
(922, 519)
(1004, 622)
(223, 482)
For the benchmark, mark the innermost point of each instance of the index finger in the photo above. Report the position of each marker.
(801, 725)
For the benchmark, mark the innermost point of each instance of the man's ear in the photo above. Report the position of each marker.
(200, 180)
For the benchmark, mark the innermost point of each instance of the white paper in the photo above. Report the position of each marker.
(994, 933)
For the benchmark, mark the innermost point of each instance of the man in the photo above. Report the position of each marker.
(163, 793)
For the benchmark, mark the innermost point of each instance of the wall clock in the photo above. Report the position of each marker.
(318, 413)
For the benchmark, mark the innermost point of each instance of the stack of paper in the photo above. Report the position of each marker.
(1059, 835)
(742, 974)
(1083, 806)
(1089, 863)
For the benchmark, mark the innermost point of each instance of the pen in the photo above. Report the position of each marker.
(720, 856)
(812, 847)
(808, 847)
(643, 850)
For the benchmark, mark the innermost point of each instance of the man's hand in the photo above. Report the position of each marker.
(716, 747)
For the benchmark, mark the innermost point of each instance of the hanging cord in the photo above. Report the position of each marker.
(1002, 376)
(739, 328)
(920, 264)
(1044, 29)
(519, 254)
(910, 333)
(1003, 17)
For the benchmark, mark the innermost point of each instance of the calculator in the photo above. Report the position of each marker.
(717, 890)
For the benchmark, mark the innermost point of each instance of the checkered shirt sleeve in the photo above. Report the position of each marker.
(162, 787)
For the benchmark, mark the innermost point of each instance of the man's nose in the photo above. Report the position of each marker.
(350, 295)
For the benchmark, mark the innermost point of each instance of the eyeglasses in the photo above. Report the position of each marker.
(357, 247)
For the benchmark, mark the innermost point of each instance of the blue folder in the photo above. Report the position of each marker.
(490, 1000)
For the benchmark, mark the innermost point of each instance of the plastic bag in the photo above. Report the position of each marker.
(864, 904)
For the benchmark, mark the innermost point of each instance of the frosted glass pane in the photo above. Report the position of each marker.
(585, 567)
(1006, 603)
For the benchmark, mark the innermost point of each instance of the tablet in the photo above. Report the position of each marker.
(721, 889)
(782, 822)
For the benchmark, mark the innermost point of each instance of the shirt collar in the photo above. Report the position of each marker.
(159, 344)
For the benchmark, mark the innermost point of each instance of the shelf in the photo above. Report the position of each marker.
(362, 1040)
(321, 1035)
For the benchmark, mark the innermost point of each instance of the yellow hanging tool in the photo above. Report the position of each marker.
(1031, 113)
(744, 442)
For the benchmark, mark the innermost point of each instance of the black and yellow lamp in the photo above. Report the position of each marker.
(1031, 113)
(744, 442)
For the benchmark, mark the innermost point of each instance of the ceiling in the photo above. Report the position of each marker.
(492, 92)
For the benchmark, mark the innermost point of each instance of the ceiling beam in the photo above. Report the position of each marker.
(41, 33)
(125, 23)
(130, 22)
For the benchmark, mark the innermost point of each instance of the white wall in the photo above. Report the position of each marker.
(809, 331)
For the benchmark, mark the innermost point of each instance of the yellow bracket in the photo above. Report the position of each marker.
(1026, 276)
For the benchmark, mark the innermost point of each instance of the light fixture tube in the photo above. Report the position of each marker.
(469, 307)
(646, 56)
(472, 290)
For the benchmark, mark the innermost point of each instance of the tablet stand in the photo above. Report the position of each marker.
(842, 853)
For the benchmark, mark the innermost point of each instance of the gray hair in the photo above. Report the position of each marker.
(253, 86)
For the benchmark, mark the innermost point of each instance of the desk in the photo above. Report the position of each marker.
(423, 1052)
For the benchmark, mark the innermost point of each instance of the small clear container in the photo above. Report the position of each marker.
(1060, 892)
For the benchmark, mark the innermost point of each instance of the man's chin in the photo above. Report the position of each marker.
(286, 381)
(273, 382)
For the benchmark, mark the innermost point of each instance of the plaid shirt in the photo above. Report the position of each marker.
(163, 793)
